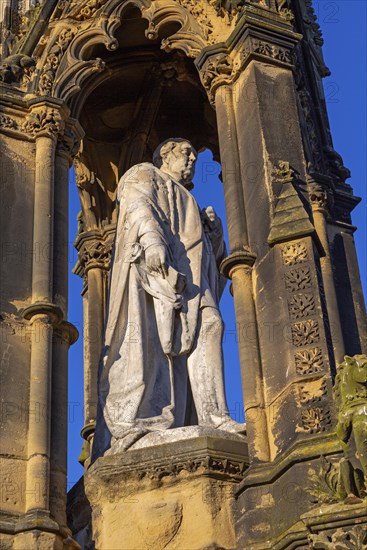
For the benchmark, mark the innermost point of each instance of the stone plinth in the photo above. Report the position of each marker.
(172, 495)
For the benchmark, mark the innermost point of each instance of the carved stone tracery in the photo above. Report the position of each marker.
(53, 60)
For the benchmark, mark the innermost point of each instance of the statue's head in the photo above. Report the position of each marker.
(177, 158)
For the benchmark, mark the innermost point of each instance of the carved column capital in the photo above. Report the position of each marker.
(319, 197)
(217, 71)
(44, 121)
(68, 143)
(95, 253)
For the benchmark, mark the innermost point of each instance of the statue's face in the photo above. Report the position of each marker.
(181, 162)
(361, 360)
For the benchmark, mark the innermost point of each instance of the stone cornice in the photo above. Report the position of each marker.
(203, 456)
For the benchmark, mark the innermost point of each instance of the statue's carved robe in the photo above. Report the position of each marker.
(153, 321)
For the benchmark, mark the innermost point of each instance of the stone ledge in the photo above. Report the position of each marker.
(316, 522)
(221, 458)
(302, 450)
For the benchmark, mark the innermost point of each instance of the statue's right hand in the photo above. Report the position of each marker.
(156, 259)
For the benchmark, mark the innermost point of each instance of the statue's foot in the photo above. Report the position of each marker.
(230, 425)
(352, 499)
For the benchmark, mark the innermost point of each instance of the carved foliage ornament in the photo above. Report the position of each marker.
(217, 71)
(309, 361)
(314, 420)
(265, 49)
(298, 279)
(88, 10)
(354, 538)
(301, 305)
(53, 59)
(96, 254)
(68, 143)
(294, 253)
(306, 332)
(222, 69)
(7, 122)
(47, 121)
(226, 468)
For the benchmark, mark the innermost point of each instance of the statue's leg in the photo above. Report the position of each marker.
(205, 367)
(360, 438)
(348, 483)
(180, 381)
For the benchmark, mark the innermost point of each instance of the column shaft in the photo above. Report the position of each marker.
(59, 392)
(43, 220)
(241, 275)
(40, 375)
(93, 341)
(233, 194)
(356, 286)
(329, 287)
(37, 494)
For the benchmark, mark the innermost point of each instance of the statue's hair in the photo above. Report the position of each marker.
(165, 148)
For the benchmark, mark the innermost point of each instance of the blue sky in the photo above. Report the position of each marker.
(343, 23)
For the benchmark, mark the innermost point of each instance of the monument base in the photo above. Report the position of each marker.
(178, 494)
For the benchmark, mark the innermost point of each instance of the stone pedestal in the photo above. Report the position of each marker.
(178, 494)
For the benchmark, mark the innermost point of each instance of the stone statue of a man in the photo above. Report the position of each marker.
(163, 340)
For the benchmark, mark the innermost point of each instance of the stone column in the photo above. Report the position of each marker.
(238, 267)
(93, 344)
(319, 200)
(356, 287)
(258, 127)
(42, 314)
(65, 334)
(94, 256)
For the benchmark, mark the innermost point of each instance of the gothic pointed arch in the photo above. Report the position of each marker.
(71, 51)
